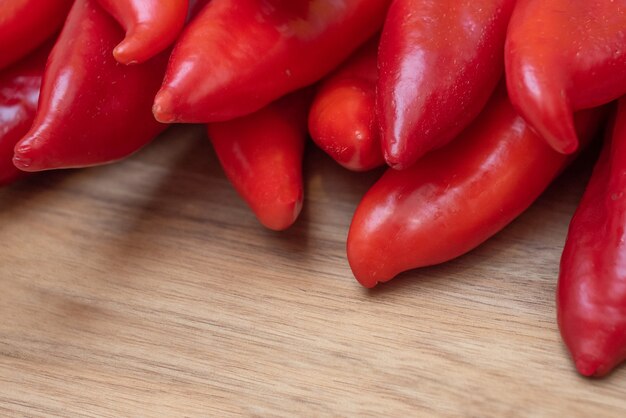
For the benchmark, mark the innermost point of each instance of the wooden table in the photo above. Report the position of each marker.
(147, 288)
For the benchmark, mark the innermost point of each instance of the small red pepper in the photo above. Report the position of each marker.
(26, 24)
(456, 197)
(343, 119)
(237, 56)
(591, 301)
(19, 93)
(439, 62)
(151, 26)
(92, 109)
(262, 153)
(562, 56)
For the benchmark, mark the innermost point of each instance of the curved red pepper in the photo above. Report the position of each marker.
(456, 197)
(591, 301)
(439, 61)
(262, 156)
(151, 26)
(19, 93)
(26, 24)
(237, 56)
(342, 121)
(562, 56)
(92, 110)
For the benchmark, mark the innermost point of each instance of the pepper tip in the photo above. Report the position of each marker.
(569, 148)
(395, 162)
(29, 154)
(21, 160)
(587, 366)
(124, 53)
(162, 108)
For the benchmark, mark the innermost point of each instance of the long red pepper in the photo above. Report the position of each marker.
(456, 197)
(151, 26)
(562, 56)
(26, 24)
(591, 301)
(439, 62)
(261, 154)
(342, 121)
(237, 56)
(92, 109)
(19, 93)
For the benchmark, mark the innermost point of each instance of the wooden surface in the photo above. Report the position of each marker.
(147, 288)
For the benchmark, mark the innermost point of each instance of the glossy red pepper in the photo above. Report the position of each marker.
(439, 61)
(26, 24)
(92, 109)
(262, 154)
(237, 56)
(151, 26)
(591, 301)
(562, 56)
(456, 197)
(342, 121)
(19, 93)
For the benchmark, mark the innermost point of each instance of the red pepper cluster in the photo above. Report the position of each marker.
(475, 106)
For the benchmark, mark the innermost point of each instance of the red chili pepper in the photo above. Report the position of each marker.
(151, 26)
(591, 301)
(562, 56)
(237, 56)
(456, 197)
(262, 156)
(343, 119)
(92, 110)
(439, 62)
(26, 24)
(19, 93)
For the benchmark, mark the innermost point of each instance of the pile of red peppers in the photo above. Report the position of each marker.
(474, 106)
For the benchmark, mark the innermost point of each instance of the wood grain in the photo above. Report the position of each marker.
(147, 288)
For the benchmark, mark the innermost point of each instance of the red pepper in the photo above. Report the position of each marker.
(19, 93)
(237, 56)
(151, 26)
(439, 62)
(262, 156)
(591, 301)
(26, 24)
(92, 110)
(562, 56)
(343, 119)
(456, 197)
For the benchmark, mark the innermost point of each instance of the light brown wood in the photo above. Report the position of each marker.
(147, 288)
